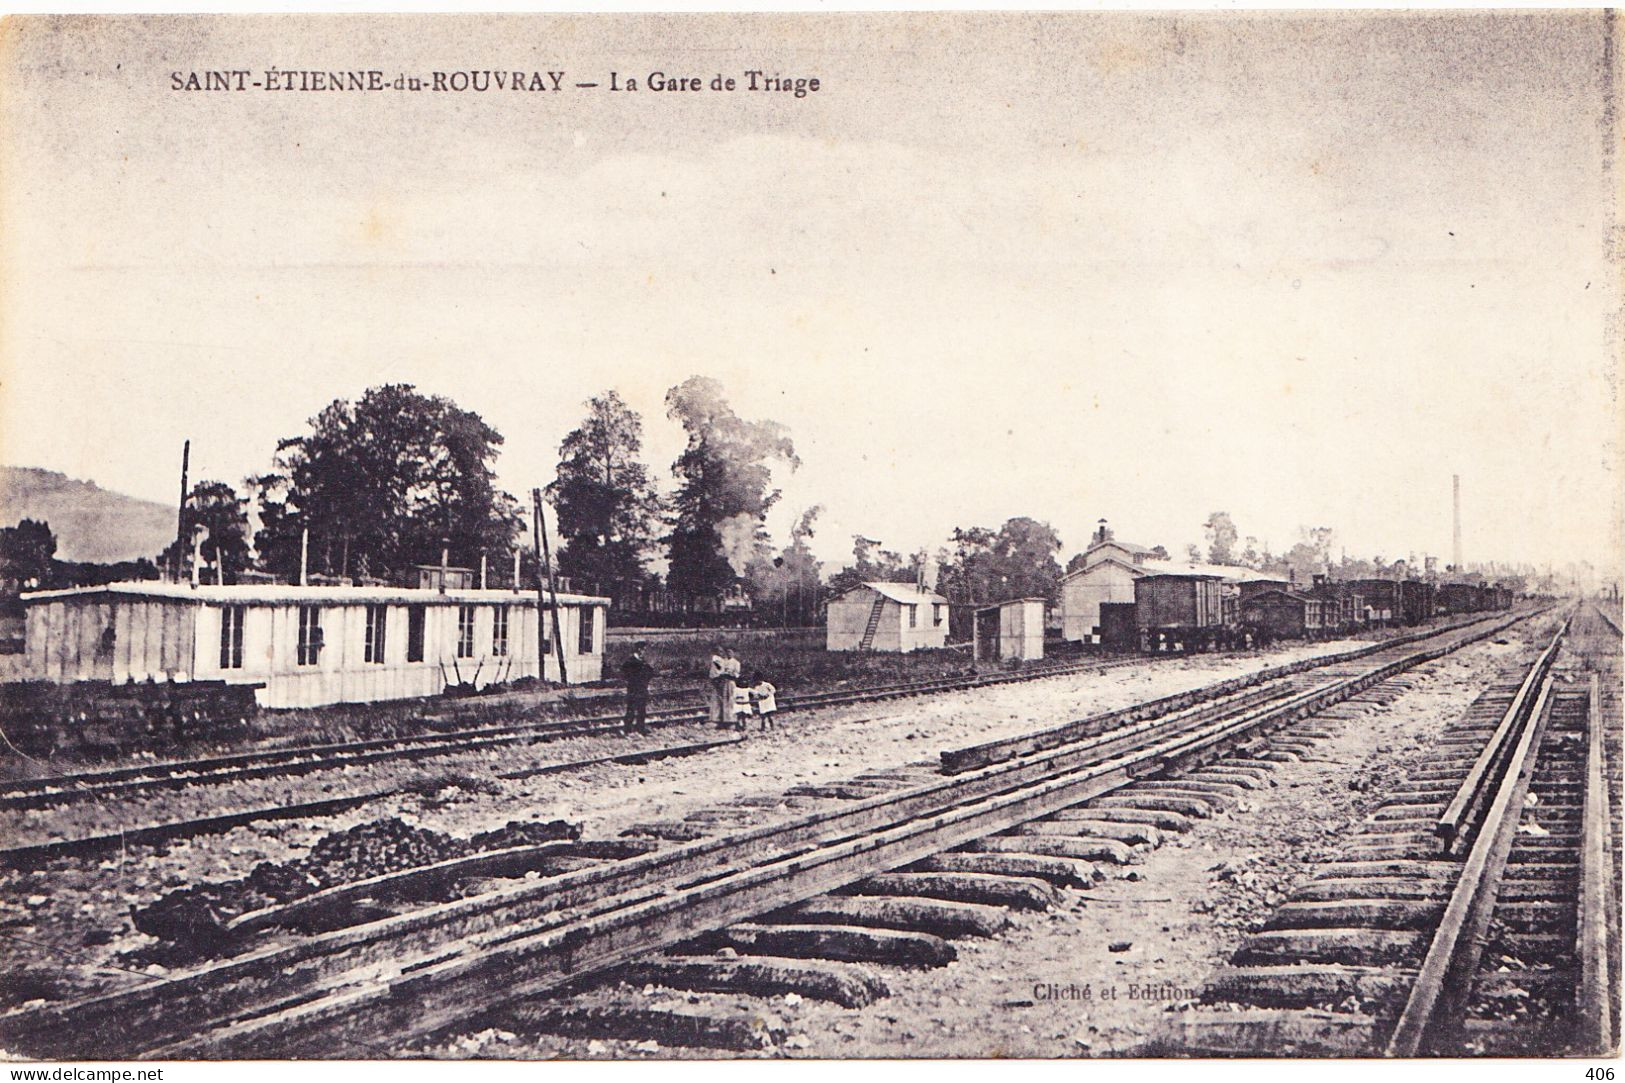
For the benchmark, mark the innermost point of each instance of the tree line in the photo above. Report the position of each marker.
(396, 478)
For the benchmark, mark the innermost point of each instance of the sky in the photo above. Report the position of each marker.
(1300, 268)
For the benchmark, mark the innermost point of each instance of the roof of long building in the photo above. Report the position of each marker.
(905, 593)
(291, 594)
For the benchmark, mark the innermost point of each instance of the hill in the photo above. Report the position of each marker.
(90, 523)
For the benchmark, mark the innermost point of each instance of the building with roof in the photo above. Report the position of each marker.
(886, 617)
(1013, 630)
(1110, 569)
(304, 646)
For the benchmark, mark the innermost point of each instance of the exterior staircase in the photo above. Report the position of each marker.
(868, 640)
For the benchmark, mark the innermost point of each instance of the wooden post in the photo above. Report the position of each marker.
(304, 556)
(545, 556)
(197, 554)
(180, 516)
(445, 556)
(482, 569)
(541, 600)
(516, 569)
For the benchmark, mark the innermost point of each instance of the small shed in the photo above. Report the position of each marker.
(886, 617)
(1010, 631)
(307, 646)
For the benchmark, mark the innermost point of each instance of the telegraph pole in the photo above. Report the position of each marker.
(180, 515)
(545, 557)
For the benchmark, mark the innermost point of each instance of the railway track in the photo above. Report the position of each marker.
(114, 784)
(46, 791)
(143, 778)
(800, 881)
(1475, 913)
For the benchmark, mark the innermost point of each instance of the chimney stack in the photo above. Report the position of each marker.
(1455, 537)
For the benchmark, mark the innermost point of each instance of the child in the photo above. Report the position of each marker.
(741, 706)
(762, 696)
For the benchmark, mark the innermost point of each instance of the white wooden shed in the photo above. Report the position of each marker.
(886, 617)
(1010, 631)
(305, 645)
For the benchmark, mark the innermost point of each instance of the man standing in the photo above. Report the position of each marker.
(638, 674)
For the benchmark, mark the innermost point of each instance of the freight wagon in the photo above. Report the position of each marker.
(1179, 612)
(1284, 614)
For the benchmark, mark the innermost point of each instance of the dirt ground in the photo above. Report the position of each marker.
(71, 919)
(1094, 977)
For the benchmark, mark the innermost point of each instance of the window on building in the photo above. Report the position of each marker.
(499, 631)
(231, 637)
(377, 619)
(415, 617)
(936, 614)
(588, 615)
(465, 631)
(310, 634)
(913, 616)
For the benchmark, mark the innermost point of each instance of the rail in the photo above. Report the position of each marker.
(243, 766)
(980, 755)
(1436, 1000)
(1482, 777)
(1598, 910)
(1608, 618)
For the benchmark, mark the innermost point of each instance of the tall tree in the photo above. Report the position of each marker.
(216, 508)
(1221, 538)
(1026, 549)
(607, 506)
(382, 484)
(724, 476)
(1017, 561)
(968, 574)
(786, 585)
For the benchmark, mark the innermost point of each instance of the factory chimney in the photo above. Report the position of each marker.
(1455, 537)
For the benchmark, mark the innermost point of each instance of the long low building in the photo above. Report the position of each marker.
(307, 646)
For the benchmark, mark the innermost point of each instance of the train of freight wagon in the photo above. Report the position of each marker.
(1125, 601)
